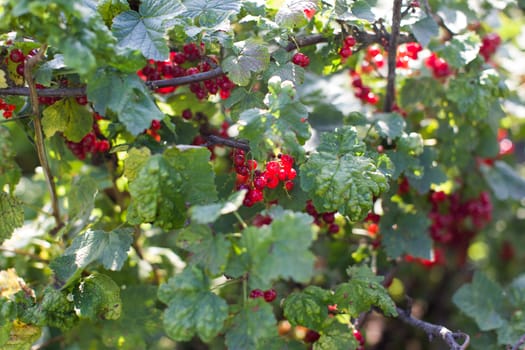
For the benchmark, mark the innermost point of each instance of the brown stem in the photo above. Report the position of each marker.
(219, 140)
(392, 53)
(39, 134)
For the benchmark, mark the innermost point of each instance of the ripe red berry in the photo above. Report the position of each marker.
(16, 55)
(289, 185)
(20, 69)
(333, 228)
(82, 100)
(256, 293)
(311, 336)
(155, 124)
(186, 114)
(270, 295)
(301, 59)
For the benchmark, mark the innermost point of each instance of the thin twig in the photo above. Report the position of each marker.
(449, 337)
(392, 54)
(214, 73)
(520, 342)
(219, 140)
(39, 134)
(47, 92)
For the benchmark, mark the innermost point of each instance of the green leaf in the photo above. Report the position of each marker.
(98, 296)
(461, 50)
(340, 177)
(482, 300)
(81, 198)
(406, 233)
(291, 13)
(12, 214)
(389, 125)
(252, 57)
(504, 181)
(191, 164)
(10, 172)
(108, 9)
(278, 250)
(362, 291)
(108, 248)
(206, 214)
(192, 308)
(210, 251)
(157, 195)
(126, 96)
(428, 173)
(251, 326)
(362, 10)
(211, 12)
(44, 73)
(136, 158)
(336, 338)
(68, 117)
(425, 91)
(308, 308)
(144, 30)
(425, 29)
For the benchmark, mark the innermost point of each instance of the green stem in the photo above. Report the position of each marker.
(239, 218)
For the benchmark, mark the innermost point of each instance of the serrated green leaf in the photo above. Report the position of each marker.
(127, 97)
(251, 326)
(68, 117)
(308, 308)
(191, 279)
(157, 195)
(210, 251)
(425, 29)
(406, 233)
(252, 57)
(211, 12)
(420, 91)
(389, 125)
(338, 337)
(512, 331)
(190, 164)
(98, 296)
(504, 181)
(12, 214)
(340, 177)
(427, 174)
(81, 198)
(144, 30)
(10, 172)
(460, 50)
(108, 248)
(482, 300)
(278, 250)
(291, 13)
(206, 214)
(362, 291)
(136, 158)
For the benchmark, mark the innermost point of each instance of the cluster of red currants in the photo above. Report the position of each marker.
(7, 108)
(17, 56)
(346, 50)
(326, 219)
(361, 91)
(268, 295)
(489, 45)
(255, 181)
(407, 52)
(439, 67)
(301, 59)
(360, 339)
(93, 142)
(152, 130)
(455, 221)
(191, 60)
(374, 59)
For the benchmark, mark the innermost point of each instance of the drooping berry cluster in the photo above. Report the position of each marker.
(374, 59)
(255, 181)
(439, 67)
(456, 221)
(191, 60)
(346, 50)
(489, 45)
(407, 52)
(152, 130)
(361, 91)
(7, 109)
(93, 142)
(268, 295)
(326, 219)
(301, 59)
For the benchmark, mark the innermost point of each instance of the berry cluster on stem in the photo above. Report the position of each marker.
(361, 91)
(489, 45)
(346, 49)
(93, 142)
(7, 109)
(439, 67)
(326, 219)
(406, 53)
(268, 295)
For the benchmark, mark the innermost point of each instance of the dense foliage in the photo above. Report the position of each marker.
(261, 174)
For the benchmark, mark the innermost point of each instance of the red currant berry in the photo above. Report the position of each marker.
(270, 295)
(16, 55)
(311, 336)
(289, 185)
(256, 293)
(82, 100)
(186, 114)
(301, 59)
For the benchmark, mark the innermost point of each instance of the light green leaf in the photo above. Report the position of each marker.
(252, 57)
(291, 13)
(362, 291)
(206, 214)
(157, 195)
(504, 181)
(108, 9)
(210, 251)
(338, 337)
(308, 308)
(144, 30)
(81, 198)
(425, 29)
(251, 326)
(10, 172)
(389, 125)
(98, 296)
(126, 96)
(340, 177)
(136, 158)
(12, 215)
(211, 13)
(68, 117)
(108, 248)
(482, 300)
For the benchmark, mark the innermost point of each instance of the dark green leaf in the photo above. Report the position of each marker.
(252, 57)
(338, 337)
(425, 29)
(362, 10)
(12, 215)
(211, 12)
(504, 181)
(481, 300)
(389, 125)
(308, 308)
(427, 174)
(461, 50)
(98, 296)
(10, 172)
